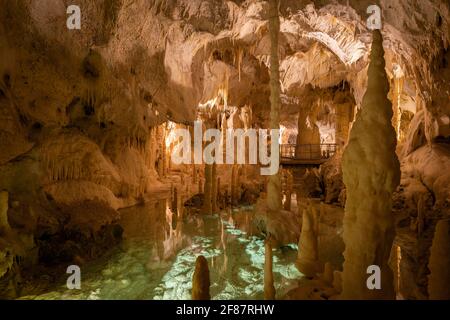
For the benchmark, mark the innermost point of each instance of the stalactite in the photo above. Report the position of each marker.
(214, 188)
(370, 167)
(269, 288)
(4, 224)
(238, 55)
(439, 264)
(200, 280)
(207, 204)
(274, 201)
(308, 247)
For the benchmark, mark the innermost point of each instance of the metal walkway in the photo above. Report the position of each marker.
(308, 155)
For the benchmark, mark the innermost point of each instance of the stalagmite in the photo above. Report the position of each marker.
(200, 186)
(200, 280)
(439, 265)
(308, 247)
(4, 224)
(233, 185)
(289, 189)
(207, 204)
(238, 188)
(218, 194)
(395, 266)
(214, 188)
(194, 173)
(269, 288)
(180, 208)
(175, 200)
(371, 173)
(274, 201)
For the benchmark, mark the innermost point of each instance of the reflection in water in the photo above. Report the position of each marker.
(157, 258)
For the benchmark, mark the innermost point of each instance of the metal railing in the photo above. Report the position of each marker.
(308, 151)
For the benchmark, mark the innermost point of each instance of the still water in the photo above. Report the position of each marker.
(156, 259)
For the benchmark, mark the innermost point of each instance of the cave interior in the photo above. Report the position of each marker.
(91, 117)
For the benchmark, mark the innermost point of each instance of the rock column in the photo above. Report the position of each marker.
(274, 201)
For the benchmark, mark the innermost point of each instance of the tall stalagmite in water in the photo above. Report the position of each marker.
(371, 172)
(200, 280)
(214, 188)
(274, 201)
(269, 288)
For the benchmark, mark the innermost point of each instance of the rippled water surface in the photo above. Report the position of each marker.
(157, 258)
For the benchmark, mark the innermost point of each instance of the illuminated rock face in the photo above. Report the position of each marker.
(371, 173)
(439, 265)
(200, 280)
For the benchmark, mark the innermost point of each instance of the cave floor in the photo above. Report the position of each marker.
(156, 258)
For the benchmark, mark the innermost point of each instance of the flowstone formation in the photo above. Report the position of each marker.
(371, 173)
